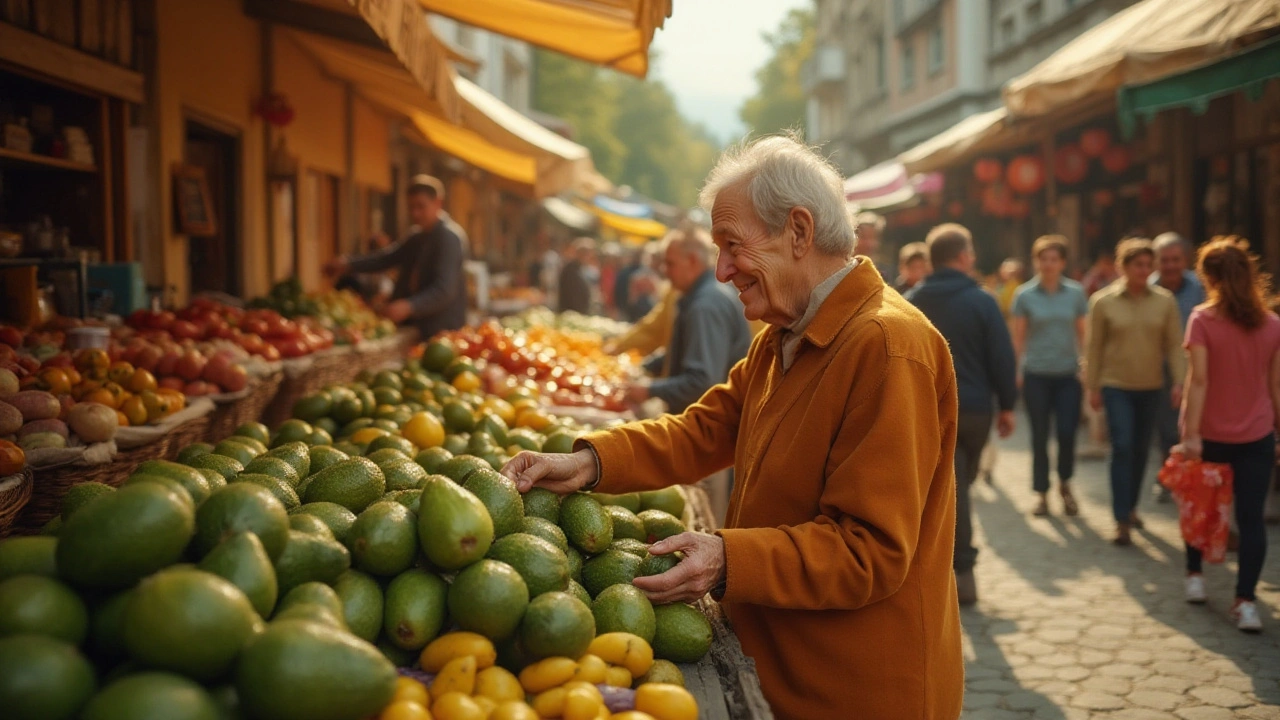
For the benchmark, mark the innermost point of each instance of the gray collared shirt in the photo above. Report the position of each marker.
(790, 338)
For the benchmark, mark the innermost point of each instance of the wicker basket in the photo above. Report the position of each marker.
(327, 370)
(226, 418)
(191, 431)
(51, 484)
(13, 497)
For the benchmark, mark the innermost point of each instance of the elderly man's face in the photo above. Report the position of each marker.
(769, 280)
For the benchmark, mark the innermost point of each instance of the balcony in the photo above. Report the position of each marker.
(825, 70)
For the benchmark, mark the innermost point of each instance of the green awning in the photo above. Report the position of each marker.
(1247, 72)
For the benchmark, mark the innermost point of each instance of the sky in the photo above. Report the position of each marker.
(708, 53)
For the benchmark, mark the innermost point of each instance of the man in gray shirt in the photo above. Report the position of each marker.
(710, 333)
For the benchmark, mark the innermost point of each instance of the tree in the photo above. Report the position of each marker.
(779, 102)
(633, 128)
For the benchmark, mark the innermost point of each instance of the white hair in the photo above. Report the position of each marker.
(691, 240)
(782, 174)
(1171, 239)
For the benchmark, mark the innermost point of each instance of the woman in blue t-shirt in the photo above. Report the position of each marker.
(1048, 334)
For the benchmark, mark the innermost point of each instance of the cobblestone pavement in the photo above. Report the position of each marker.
(1069, 627)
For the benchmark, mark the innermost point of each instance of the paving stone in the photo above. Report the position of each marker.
(1097, 701)
(979, 700)
(1141, 714)
(1221, 697)
(1156, 699)
(1110, 685)
(1026, 700)
(1205, 712)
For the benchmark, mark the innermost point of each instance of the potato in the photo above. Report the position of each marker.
(52, 425)
(35, 405)
(93, 422)
(10, 419)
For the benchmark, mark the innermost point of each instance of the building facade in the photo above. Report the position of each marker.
(889, 74)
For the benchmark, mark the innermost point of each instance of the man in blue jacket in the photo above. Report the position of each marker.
(986, 371)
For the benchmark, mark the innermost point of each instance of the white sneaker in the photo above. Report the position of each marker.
(1245, 613)
(1195, 589)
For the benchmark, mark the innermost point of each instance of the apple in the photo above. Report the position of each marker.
(185, 330)
(199, 387)
(11, 336)
(147, 357)
(253, 326)
(190, 365)
(234, 378)
(162, 320)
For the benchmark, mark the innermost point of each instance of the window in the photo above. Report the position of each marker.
(1008, 32)
(882, 80)
(1035, 15)
(935, 50)
(908, 67)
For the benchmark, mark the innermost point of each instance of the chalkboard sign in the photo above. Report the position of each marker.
(192, 203)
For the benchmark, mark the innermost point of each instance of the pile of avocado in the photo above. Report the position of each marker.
(283, 575)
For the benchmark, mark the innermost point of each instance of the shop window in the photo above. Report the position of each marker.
(935, 50)
(908, 67)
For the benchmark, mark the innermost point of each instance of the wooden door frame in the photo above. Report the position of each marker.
(233, 209)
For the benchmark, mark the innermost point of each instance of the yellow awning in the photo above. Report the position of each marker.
(639, 227)
(464, 144)
(405, 30)
(1144, 42)
(612, 33)
(561, 163)
(968, 137)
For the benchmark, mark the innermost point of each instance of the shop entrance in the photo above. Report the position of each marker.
(215, 259)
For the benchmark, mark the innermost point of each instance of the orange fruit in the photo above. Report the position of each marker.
(118, 393)
(140, 380)
(93, 363)
(73, 376)
(100, 395)
(120, 372)
(53, 380)
(134, 410)
(122, 419)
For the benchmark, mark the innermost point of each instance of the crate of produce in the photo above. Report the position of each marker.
(52, 482)
(240, 408)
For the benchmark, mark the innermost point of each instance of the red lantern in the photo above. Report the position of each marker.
(1070, 165)
(1094, 142)
(275, 109)
(1025, 174)
(955, 209)
(1117, 159)
(987, 170)
(1103, 198)
(995, 200)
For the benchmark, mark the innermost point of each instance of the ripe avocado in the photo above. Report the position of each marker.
(190, 478)
(152, 696)
(546, 530)
(227, 467)
(79, 495)
(42, 678)
(323, 456)
(682, 633)
(120, 538)
(310, 524)
(43, 606)
(362, 603)
(407, 498)
(454, 528)
(500, 498)
(542, 565)
(557, 624)
(541, 502)
(660, 525)
(403, 474)
(188, 621)
(612, 567)
(307, 558)
(488, 597)
(353, 483)
(432, 458)
(32, 555)
(585, 523)
(628, 545)
(241, 560)
(668, 500)
(623, 608)
(242, 507)
(414, 609)
(625, 523)
(311, 593)
(296, 454)
(276, 467)
(299, 670)
(384, 539)
(338, 518)
(277, 487)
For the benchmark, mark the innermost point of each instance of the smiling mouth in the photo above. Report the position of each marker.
(744, 288)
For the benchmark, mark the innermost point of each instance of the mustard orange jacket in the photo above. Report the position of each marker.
(840, 529)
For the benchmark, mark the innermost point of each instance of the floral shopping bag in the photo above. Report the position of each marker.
(1203, 493)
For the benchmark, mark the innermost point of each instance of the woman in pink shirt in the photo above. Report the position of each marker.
(1229, 414)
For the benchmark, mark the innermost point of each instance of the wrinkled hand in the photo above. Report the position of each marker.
(1095, 400)
(1005, 423)
(701, 569)
(398, 311)
(1192, 448)
(561, 474)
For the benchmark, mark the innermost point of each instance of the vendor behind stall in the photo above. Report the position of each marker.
(430, 293)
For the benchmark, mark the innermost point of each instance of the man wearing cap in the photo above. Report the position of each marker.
(430, 293)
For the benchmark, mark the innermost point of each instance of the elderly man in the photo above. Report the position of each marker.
(835, 561)
(1173, 256)
(710, 334)
(575, 282)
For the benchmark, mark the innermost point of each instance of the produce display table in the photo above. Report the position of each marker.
(724, 682)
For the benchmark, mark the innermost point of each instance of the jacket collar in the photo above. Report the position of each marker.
(860, 285)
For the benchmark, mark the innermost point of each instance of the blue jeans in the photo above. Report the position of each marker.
(1251, 466)
(1052, 399)
(1131, 416)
